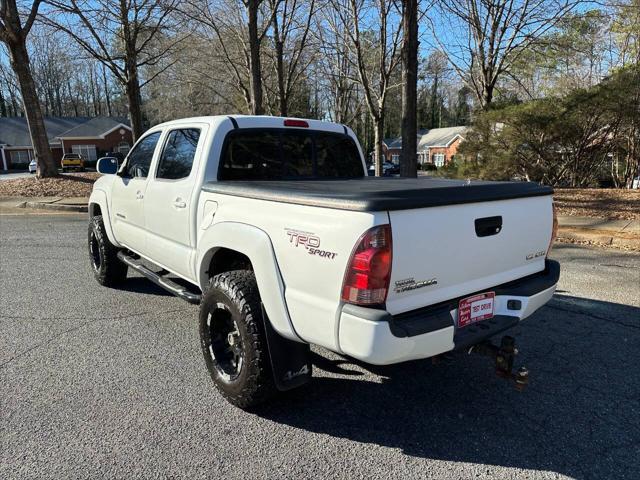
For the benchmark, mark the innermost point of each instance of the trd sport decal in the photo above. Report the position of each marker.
(310, 242)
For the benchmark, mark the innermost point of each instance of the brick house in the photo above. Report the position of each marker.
(392, 147)
(90, 137)
(437, 146)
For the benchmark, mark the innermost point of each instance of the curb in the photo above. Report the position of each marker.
(55, 206)
(629, 241)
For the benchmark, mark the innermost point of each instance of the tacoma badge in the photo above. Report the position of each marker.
(410, 284)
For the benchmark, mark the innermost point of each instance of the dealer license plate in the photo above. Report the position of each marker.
(475, 309)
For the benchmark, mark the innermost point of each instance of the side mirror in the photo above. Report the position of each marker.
(107, 166)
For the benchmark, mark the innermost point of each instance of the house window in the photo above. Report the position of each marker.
(20, 158)
(438, 159)
(124, 147)
(395, 158)
(88, 152)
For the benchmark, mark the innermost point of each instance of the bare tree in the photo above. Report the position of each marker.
(490, 35)
(376, 55)
(11, 91)
(120, 34)
(13, 33)
(291, 25)
(409, 156)
(239, 27)
(337, 67)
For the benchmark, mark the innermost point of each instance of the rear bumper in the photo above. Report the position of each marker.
(377, 337)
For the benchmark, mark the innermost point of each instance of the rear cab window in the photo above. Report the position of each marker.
(280, 154)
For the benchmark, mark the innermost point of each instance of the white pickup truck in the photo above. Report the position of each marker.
(273, 226)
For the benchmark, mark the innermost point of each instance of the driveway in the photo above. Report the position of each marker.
(104, 383)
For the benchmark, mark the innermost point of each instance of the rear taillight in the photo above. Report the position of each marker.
(366, 280)
(554, 228)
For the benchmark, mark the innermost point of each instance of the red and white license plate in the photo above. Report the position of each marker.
(475, 309)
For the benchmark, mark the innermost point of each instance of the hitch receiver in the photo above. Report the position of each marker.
(503, 356)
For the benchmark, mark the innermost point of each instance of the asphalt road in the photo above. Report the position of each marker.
(100, 383)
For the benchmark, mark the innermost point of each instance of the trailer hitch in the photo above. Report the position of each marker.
(503, 356)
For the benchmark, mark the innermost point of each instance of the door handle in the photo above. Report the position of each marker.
(139, 195)
(488, 226)
(179, 203)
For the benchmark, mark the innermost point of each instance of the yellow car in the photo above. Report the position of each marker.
(72, 160)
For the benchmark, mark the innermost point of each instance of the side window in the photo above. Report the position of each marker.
(177, 157)
(139, 159)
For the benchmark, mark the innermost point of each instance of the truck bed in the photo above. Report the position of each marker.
(370, 194)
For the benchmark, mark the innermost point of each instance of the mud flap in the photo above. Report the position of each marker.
(290, 361)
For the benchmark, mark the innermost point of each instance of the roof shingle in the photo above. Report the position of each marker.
(14, 131)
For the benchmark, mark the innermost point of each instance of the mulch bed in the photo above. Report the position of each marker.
(611, 203)
(71, 185)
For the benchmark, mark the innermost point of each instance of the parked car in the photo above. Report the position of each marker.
(33, 166)
(388, 169)
(274, 228)
(72, 161)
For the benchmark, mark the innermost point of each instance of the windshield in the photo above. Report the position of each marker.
(279, 154)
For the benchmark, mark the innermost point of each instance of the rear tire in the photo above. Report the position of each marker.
(233, 340)
(103, 255)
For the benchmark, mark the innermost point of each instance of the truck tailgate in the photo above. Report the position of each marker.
(445, 252)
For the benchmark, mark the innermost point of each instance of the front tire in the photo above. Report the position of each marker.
(103, 255)
(233, 339)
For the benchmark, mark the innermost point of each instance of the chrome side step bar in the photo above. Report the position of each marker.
(168, 285)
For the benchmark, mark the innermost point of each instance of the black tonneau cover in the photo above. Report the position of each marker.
(371, 194)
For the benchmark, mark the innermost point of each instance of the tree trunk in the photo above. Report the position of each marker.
(107, 96)
(409, 157)
(377, 143)
(134, 98)
(487, 96)
(254, 55)
(72, 98)
(3, 106)
(21, 66)
(433, 123)
(282, 94)
(135, 107)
